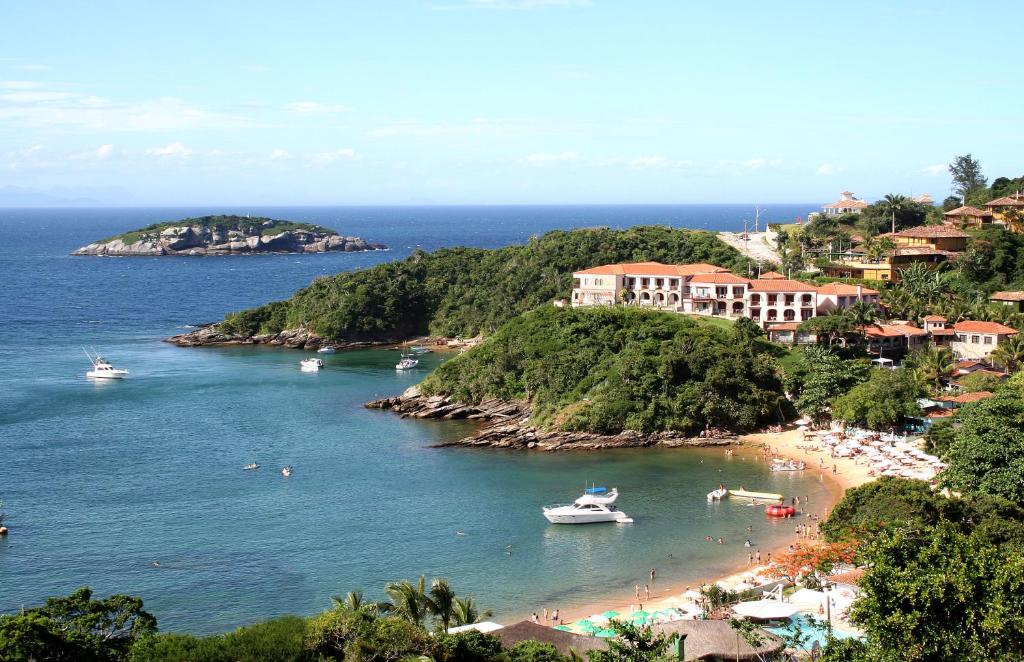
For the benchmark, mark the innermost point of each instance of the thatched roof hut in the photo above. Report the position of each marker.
(510, 635)
(712, 640)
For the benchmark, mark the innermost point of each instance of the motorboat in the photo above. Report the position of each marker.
(252, 466)
(779, 464)
(755, 496)
(101, 368)
(407, 363)
(310, 365)
(327, 349)
(602, 494)
(286, 471)
(419, 349)
(718, 495)
(588, 509)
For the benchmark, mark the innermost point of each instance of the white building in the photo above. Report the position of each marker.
(846, 204)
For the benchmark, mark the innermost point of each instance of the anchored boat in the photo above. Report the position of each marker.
(596, 505)
(755, 496)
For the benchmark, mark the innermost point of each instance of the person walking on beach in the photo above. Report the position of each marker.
(750, 558)
(545, 614)
(653, 573)
(647, 592)
(535, 618)
(637, 589)
(759, 557)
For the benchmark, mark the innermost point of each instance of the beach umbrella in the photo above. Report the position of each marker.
(692, 595)
(598, 619)
(563, 628)
(585, 623)
(611, 613)
(605, 633)
(765, 609)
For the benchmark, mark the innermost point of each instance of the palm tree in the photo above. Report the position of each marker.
(861, 313)
(408, 599)
(1010, 352)
(441, 602)
(465, 612)
(934, 363)
(892, 204)
(353, 601)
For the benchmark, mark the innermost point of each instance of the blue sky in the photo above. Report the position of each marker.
(503, 101)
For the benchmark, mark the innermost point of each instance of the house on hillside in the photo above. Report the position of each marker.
(836, 296)
(967, 217)
(844, 205)
(1010, 298)
(977, 340)
(927, 244)
(1008, 210)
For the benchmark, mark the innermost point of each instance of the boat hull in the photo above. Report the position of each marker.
(107, 374)
(756, 496)
(586, 518)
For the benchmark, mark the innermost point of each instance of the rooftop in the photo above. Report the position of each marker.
(720, 279)
(780, 285)
(932, 231)
(1007, 201)
(970, 326)
(784, 326)
(772, 275)
(1007, 296)
(845, 289)
(934, 318)
(652, 269)
(968, 211)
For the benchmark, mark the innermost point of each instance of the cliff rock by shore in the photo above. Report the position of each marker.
(211, 334)
(506, 425)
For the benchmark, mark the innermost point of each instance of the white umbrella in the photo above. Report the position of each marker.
(692, 595)
(598, 619)
(765, 609)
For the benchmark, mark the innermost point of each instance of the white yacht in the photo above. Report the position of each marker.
(407, 363)
(588, 509)
(101, 369)
(287, 471)
(310, 365)
(326, 349)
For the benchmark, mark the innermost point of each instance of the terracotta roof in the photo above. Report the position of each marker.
(964, 398)
(910, 330)
(1007, 201)
(942, 332)
(720, 279)
(772, 275)
(929, 231)
(848, 577)
(844, 289)
(882, 331)
(970, 326)
(780, 285)
(653, 269)
(934, 318)
(919, 250)
(968, 211)
(991, 373)
(784, 326)
(1007, 296)
(846, 204)
(940, 413)
(967, 365)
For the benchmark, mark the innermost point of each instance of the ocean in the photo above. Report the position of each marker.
(103, 480)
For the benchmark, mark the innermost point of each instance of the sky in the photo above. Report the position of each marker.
(502, 101)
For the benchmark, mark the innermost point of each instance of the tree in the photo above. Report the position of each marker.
(884, 503)
(409, 600)
(533, 651)
(987, 454)
(939, 437)
(804, 559)
(634, 643)
(938, 594)
(1009, 353)
(893, 204)
(967, 177)
(820, 375)
(441, 602)
(934, 364)
(465, 612)
(883, 401)
(471, 646)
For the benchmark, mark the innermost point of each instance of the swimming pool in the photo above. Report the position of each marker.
(813, 629)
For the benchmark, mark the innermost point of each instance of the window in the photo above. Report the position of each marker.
(974, 340)
(771, 299)
(674, 282)
(575, 282)
(598, 281)
(755, 299)
(658, 282)
(737, 292)
(807, 299)
(644, 282)
(961, 337)
(988, 340)
(790, 299)
(721, 292)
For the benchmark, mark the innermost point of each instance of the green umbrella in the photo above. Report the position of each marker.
(563, 628)
(585, 623)
(605, 633)
(610, 614)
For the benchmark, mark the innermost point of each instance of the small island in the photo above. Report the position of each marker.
(226, 235)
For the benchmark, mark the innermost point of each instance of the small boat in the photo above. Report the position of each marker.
(755, 496)
(419, 349)
(286, 471)
(310, 365)
(252, 466)
(326, 349)
(718, 495)
(101, 368)
(779, 464)
(407, 363)
(588, 509)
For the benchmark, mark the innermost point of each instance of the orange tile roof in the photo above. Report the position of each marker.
(968, 211)
(1007, 201)
(963, 365)
(652, 269)
(910, 330)
(720, 279)
(780, 285)
(848, 577)
(930, 231)
(882, 331)
(971, 326)
(942, 332)
(846, 204)
(934, 318)
(784, 326)
(1007, 296)
(772, 275)
(844, 289)
(919, 250)
(940, 413)
(964, 398)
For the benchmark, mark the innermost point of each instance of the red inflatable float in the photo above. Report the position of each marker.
(779, 510)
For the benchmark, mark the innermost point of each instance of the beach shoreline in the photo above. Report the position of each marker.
(664, 593)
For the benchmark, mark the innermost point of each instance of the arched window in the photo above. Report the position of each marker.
(788, 315)
(755, 299)
(673, 299)
(659, 298)
(737, 307)
(772, 315)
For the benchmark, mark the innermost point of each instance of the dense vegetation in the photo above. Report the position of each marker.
(256, 225)
(466, 291)
(611, 369)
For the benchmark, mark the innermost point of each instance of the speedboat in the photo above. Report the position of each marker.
(779, 464)
(718, 495)
(286, 471)
(407, 363)
(326, 349)
(310, 365)
(419, 349)
(101, 369)
(251, 467)
(588, 509)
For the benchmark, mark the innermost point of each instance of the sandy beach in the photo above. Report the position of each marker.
(665, 594)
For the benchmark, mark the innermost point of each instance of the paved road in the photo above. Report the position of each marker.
(759, 246)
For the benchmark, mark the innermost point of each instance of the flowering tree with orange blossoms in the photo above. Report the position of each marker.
(805, 558)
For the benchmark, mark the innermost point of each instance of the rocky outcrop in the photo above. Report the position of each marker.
(212, 334)
(199, 239)
(506, 425)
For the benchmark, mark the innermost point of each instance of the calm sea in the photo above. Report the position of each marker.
(101, 480)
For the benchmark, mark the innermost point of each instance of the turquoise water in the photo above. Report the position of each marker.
(101, 480)
(813, 629)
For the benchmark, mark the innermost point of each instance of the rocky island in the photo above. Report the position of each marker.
(226, 235)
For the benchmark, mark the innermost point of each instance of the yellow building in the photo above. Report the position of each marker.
(932, 244)
(1008, 210)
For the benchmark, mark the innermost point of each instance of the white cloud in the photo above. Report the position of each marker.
(175, 149)
(549, 159)
(104, 151)
(314, 108)
(279, 155)
(32, 67)
(330, 156)
(19, 84)
(826, 170)
(475, 127)
(934, 170)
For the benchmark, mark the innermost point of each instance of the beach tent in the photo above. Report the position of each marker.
(765, 609)
(510, 635)
(717, 640)
(484, 626)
